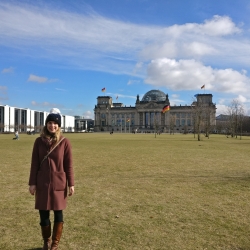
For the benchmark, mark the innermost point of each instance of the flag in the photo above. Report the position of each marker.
(165, 109)
(104, 89)
(203, 86)
(116, 97)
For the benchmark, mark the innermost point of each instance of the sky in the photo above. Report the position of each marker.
(61, 54)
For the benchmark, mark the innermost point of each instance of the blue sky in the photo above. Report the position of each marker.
(61, 53)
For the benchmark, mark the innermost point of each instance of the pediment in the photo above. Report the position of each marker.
(151, 105)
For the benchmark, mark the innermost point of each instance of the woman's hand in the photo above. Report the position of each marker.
(71, 190)
(32, 189)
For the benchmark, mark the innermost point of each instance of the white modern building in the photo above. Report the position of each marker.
(24, 120)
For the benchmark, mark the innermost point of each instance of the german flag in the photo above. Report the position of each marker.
(103, 89)
(165, 109)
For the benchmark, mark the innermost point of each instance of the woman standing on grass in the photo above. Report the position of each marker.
(50, 174)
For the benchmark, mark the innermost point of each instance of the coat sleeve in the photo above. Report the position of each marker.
(68, 163)
(34, 163)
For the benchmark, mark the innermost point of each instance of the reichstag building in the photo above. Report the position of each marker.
(147, 115)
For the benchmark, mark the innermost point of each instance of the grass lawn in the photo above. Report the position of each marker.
(135, 191)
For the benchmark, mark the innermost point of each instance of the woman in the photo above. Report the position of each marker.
(50, 176)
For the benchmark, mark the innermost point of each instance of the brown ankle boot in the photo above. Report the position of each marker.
(46, 233)
(57, 232)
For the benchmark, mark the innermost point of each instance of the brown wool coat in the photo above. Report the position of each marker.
(54, 175)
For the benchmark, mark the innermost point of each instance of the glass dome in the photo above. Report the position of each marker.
(154, 95)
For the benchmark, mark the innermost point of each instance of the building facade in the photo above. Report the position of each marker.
(147, 114)
(24, 120)
(83, 125)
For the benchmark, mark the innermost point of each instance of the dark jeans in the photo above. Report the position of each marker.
(44, 217)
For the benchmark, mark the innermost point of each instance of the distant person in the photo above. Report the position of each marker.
(51, 171)
(16, 135)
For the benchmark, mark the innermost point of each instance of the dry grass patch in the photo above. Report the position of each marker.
(137, 192)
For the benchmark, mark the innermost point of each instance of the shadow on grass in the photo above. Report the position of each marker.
(36, 248)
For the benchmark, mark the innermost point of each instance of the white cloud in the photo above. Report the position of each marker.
(199, 49)
(63, 90)
(179, 57)
(133, 82)
(112, 45)
(159, 50)
(221, 109)
(88, 115)
(191, 74)
(242, 99)
(40, 79)
(177, 75)
(175, 96)
(8, 70)
(230, 81)
(46, 104)
(219, 26)
(122, 96)
(3, 93)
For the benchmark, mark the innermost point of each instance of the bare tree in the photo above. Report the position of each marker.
(203, 113)
(219, 126)
(156, 123)
(30, 127)
(22, 127)
(241, 118)
(246, 124)
(1, 127)
(172, 123)
(206, 120)
(197, 111)
(235, 112)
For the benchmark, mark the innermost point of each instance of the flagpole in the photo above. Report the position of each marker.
(203, 87)
(104, 91)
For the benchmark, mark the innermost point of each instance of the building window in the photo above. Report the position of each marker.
(41, 119)
(16, 117)
(1, 114)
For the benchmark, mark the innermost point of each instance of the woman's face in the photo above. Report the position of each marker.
(52, 127)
